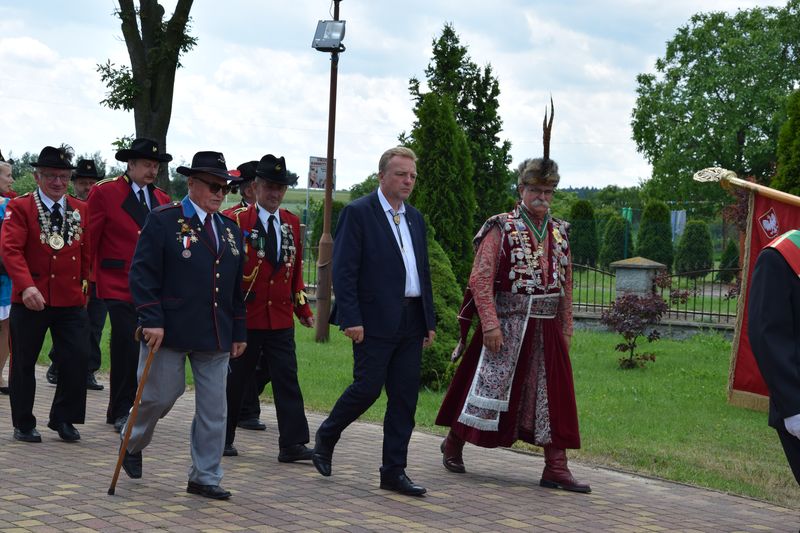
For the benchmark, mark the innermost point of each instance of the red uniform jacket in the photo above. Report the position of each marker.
(272, 294)
(231, 211)
(116, 219)
(58, 274)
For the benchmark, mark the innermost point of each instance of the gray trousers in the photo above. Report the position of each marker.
(166, 382)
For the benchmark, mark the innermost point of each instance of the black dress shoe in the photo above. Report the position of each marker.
(66, 431)
(321, 456)
(132, 464)
(252, 423)
(91, 382)
(120, 422)
(30, 435)
(52, 375)
(400, 483)
(214, 492)
(296, 452)
(230, 451)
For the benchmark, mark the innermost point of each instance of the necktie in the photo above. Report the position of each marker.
(56, 220)
(272, 241)
(209, 229)
(142, 200)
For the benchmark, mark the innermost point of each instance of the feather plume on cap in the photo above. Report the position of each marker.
(541, 170)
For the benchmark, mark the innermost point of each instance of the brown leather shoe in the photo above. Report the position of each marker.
(556, 475)
(452, 458)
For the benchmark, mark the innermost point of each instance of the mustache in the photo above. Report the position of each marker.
(540, 203)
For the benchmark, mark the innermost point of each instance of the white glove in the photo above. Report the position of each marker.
(792, 424)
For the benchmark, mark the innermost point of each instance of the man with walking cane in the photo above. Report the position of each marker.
(186, 281)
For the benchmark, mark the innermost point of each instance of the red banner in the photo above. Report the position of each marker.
(769, 218)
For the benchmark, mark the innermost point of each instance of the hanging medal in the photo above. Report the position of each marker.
(187, 241)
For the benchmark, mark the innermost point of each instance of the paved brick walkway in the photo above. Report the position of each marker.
(56, 486)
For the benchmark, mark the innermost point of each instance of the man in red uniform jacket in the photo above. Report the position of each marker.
(273, 288)
(45, 252)
(118, 208)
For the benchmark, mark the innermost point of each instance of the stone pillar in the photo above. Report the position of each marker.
(636, 276)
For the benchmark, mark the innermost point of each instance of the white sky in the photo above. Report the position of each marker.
(253, 85)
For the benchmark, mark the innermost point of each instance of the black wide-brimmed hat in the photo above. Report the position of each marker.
(210, 163)
(247, 171)
(143, 148)
(273, 169)
(52, 157)
(86, 169)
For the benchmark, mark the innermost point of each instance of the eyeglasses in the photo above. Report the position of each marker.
(214, 188)
(54, 177)
(536, 191)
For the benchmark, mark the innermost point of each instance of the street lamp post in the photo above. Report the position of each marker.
(328, 38)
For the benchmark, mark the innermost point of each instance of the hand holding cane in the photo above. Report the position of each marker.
(132, 417)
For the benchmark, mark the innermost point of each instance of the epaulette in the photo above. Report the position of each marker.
(106, 180)
(164, 207)
(229, 217)
(238, 210)
(22, 195)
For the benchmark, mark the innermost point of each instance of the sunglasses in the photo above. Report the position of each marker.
(215, 187)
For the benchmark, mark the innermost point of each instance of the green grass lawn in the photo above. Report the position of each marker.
(670, 420)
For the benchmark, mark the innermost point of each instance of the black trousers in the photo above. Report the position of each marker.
(251, 406)
(791, 447)
(395, 364)
(69, 329)
(278, 349)
(97, 321)
(124, 358)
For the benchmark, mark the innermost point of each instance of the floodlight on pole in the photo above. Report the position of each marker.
(328, 38)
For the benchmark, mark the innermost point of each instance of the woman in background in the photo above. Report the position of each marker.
(5, 282)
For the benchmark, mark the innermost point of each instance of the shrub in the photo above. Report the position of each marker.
(616, 241)
(316, 231)
(364, 188)
(583, 233)
(695, 251)
(655, 234)
(630, 316)
(447, 298)
(729, 262)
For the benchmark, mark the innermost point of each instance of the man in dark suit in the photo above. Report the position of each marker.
(44, 250)
(186, 282)
(774, 332)
(118, 208)
(384, 303)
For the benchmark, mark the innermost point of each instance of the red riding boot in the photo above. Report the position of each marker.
(451, 453)
(556, 475)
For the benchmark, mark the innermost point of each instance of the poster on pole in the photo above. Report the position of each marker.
(317, 171)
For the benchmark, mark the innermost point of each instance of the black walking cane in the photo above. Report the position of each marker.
(131, 418)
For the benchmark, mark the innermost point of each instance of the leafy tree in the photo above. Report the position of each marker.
(22, 166)
(583, 233)
(316, 231)
(147, 86)
(717, 99)
(655, 234)
(446, 304)
(562, 203)
(788, 175)
(442, 193)
(616, 241)
(695, 252)
(364, 188)
(618, 197)
(474, 92)
(729, 262)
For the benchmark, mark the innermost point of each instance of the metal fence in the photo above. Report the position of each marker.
(592, 289)
(703, 296)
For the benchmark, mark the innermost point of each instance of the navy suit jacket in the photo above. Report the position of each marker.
(774, 331)
(368, 271)
(197, 299)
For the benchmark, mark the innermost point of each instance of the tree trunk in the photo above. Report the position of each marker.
(154, 55)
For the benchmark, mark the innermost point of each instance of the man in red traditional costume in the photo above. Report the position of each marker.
(774, 329)
(515, 382)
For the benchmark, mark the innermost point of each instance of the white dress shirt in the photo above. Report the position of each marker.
(263, 215)
(402, 234)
